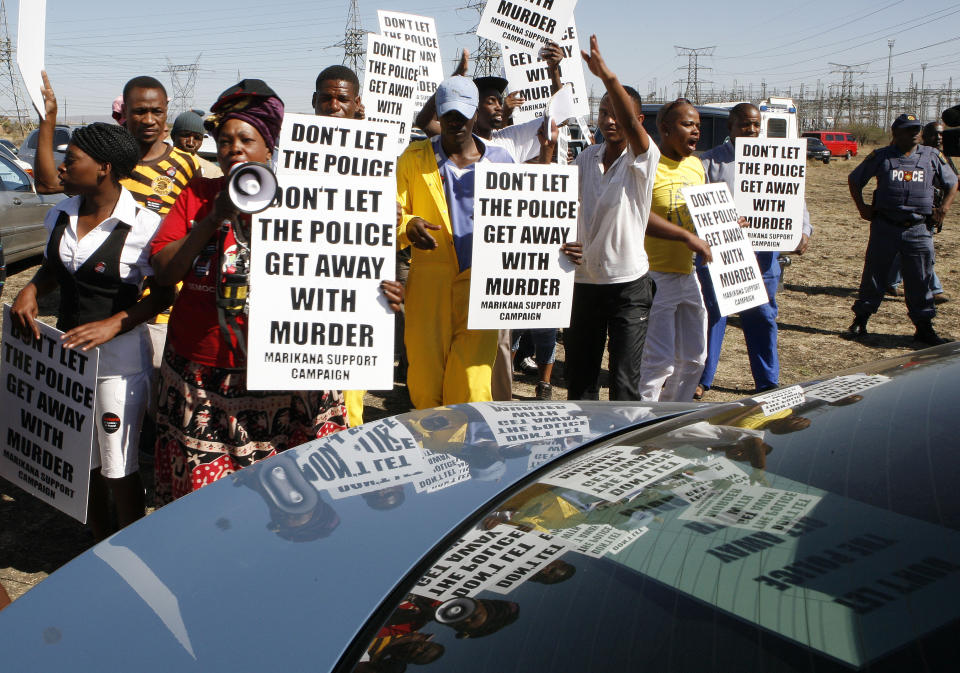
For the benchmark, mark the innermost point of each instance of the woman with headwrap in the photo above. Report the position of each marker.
(204, 242)
(98, 254)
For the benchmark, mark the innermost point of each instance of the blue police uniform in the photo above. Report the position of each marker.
(903, 202)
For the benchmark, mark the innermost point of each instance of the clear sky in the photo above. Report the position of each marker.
(94, 46)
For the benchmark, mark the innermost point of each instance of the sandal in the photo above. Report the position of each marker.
(698, 393)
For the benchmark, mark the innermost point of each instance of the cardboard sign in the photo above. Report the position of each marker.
(841, 387)
(31, 39)
(516, 422)
(522, 215)
(47, 416)
(616, 472)
(527, 74)
(499, 559)
(391, 76)
(753, 507)
(769, 190)
(360, 460)
(445, 470)
(420, 33)
(318, 320)
(778, 400)
(525, 23)
(736, 277)
(597, 540)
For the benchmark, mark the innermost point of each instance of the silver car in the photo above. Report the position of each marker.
(22, 211)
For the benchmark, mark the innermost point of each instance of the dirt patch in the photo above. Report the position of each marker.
(819, 289)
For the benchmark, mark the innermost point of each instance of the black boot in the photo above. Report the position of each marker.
(926, 334)
(859, 326)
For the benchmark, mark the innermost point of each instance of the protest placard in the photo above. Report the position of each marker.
(597, 540)
(527, 74)
(318, 320)
(522, 214)
(841, 387)
(615, 472)
(363, 459)
(778, 400)
(769, 190)
(525, 23)
(47, 416)
(752, 506)
(31, 39)
(420, 33)
(391, 75)
(445, 470)
(500, 559)
(737, 282)
(515, 422)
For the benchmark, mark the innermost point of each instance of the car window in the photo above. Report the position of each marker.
(32, 140)
(850, 138)
(753, 540)
(776, 128)
(12, 178)
(61, 137)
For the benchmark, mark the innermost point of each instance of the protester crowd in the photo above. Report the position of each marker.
(149, 225)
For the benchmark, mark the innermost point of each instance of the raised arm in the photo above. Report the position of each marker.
(552, 54)
(623, 106)
(44, 164)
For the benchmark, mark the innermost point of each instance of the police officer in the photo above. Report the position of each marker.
(899, 217)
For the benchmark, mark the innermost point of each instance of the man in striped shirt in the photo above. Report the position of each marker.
(163, 170)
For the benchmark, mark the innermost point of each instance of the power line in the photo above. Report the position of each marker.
(10, 80)
(353, 54)
(183, 81)
(691, 85)
(487, 58)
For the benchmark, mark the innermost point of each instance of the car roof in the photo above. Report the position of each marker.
(318, 567)
(303, 571)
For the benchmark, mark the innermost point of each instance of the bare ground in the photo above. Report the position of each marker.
(819, 288)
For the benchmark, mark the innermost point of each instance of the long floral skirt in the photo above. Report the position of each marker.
(209, 425)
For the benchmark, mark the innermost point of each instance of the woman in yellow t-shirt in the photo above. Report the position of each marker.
(676, 345)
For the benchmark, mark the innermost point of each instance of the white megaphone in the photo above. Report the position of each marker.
(251, 186)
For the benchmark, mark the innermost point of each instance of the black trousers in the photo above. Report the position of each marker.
(620, 310)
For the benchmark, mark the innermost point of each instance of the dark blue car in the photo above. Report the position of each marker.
(815, 528)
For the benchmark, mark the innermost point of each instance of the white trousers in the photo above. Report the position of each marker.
(123, 391)
(676, 345)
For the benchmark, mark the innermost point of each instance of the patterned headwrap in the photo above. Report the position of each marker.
(109, 143)
(252, 101)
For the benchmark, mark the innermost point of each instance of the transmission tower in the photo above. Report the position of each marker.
(691, 85)
(845, 97)
(14, 101)
(487, 61)
(183, 81)
(352, 43)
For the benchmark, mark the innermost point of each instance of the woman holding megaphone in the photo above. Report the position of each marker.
(208, 423)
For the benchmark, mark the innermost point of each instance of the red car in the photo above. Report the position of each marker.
(840, 143)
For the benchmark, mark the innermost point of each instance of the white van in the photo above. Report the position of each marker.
(778, 118)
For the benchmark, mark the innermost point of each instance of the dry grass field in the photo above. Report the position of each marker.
(819, 288)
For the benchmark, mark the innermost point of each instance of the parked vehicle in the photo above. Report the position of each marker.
(10, 145)
(815, 529)
(24, 166)
(713, 125)
(61, 138)
(840, 143)
(778, 118)
(817, 150)
(22, 212)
